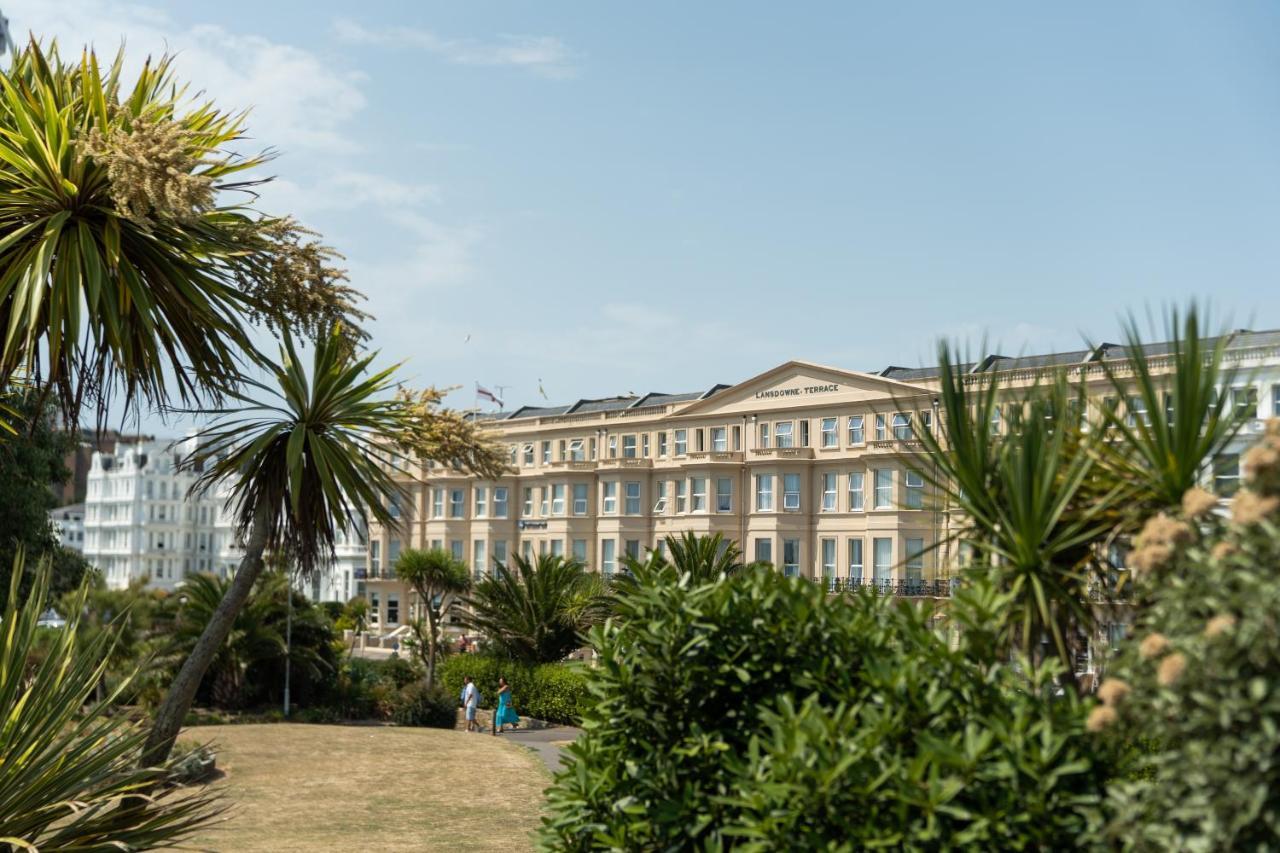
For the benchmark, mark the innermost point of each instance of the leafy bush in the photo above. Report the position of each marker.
(419, 705)
(318, 715)
(554, 692)
(757, 712)
(1201, 680)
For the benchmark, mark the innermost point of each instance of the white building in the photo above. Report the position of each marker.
(141, 522)
(68, 524)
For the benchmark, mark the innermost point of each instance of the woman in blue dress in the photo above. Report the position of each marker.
(505, 713)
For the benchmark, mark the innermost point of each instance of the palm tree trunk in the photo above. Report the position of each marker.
(177, 702)
(431, 648)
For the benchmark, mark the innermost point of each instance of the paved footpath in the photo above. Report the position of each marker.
(548, 742)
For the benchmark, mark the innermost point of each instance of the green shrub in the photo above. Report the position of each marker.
(1201, 680)
(320, 714)
(758, 712)
(399, 671)
(554, 692)
(419, 705)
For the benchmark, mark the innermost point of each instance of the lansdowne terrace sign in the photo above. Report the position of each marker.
(796, 392)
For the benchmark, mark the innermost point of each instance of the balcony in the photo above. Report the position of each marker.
(716, 457)
(902, 588)
(896, 445)
(624, 462)
(787, 453)
(572, 465)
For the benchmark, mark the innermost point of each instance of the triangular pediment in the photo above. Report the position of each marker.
(800, 384)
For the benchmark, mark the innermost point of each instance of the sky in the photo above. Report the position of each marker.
(613, 198)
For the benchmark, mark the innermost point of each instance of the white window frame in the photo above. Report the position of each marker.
(681, 442)
(724, 494)
(681, 496)
(830, 432)
(481, 501)
(577, 453)
(913, 488)
(528, 455)
(557, 499)
(719, 439)
(660, 505)
(609, 504)
(791, 562)
(457, 503)
(856, 557)
(857, 430)
(784, 437)
(764, 493)
(881, 431)
(698, 494)
(857, 491)
(631, 497)
(830, 480)
(629, 447)
(902, 426)
(500, 495)
(790, 496)
(883, 495)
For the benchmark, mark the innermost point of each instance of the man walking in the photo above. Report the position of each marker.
(470, 701)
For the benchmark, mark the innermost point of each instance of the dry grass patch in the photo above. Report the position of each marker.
(300, 787)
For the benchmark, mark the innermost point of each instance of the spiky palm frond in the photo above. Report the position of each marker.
(66, 763)
(694, 559)
(537, 612)
(1175, 419)
(311, 457)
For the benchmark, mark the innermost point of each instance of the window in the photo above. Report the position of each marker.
(478, 556)
(544, 501)
(500, 552)
(592, 445)
(830, 436)
(857, 435)
(644, 445)
(632, 548)
(764, 493)
(373, 607)
(455, 548)
(1244, 401)
(608, 556)
(882, 559)
(680, 495)
(528, 501)
(437, 503)
(1275, 401)
(393, 507)
(613, 447)
(499, 501)
(662, 444)
(881, 435)
(631, 495)
(855, 559)
(828, 558)
(682, 442)
(557, 547)
(782, 433)
(698, 489)
(764, 435)
(528, 454)
(374, 564)
(393, 608)
(791, 557)
(884, 488)
(829, 493)
(1226, 474)
(764, 550)
(457, 503)
(1137, 412)
(724, 494)
(579, 498)
(915, 560)
(628, 447)
(580, 550)
(393, 553)
(546, 453)
(1110, 406)
(557, 499)
(563, 454)
(857, 482)
(804, 433)
(576, 453)
(791, 492)
(514, 455)
(915, 490)
(526, 549)
(660, 505)
(482, 496)
(902, 426)
(610, 498)
(737, 438)
(719, 439)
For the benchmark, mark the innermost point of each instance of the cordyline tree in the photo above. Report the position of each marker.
(132, 261)
(438, 579)
(316, 454)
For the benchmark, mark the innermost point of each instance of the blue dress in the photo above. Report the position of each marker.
(505, 715)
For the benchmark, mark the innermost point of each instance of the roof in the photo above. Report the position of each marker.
(611, 404)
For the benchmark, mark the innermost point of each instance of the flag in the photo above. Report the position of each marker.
(542, 392)
(485, 394)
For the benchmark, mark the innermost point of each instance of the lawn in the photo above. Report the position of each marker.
(300, 787)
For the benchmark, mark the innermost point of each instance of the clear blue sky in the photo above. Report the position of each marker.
(659, 196)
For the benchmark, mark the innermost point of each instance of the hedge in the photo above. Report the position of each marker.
(555, 692)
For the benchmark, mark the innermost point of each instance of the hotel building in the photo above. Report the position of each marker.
(813, 469)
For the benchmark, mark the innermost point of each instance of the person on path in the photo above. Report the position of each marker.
(470, 701)
(505, 714)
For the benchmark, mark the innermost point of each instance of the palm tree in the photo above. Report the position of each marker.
(66, 761)
(299, 467)
(697, 559)
(1171, 428)
(537, 612)
(122, 269)
(1024, 497)
(439, 580)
